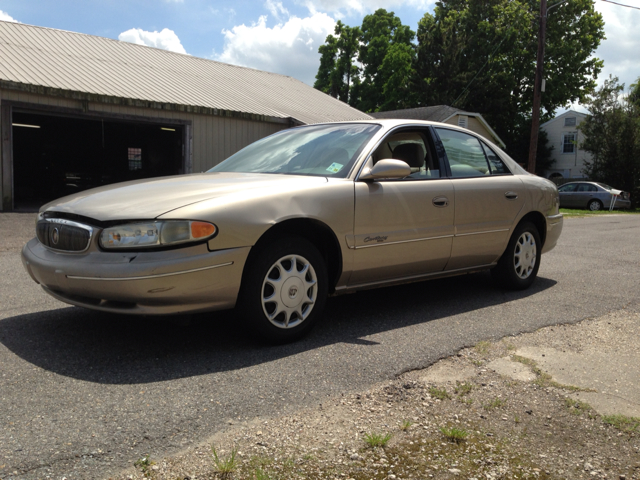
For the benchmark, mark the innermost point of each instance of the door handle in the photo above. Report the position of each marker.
(440, 202)
(511, 195)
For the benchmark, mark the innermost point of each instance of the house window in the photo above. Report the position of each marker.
(463, 121)
(569, 143)
(135, 158)
(570, 121)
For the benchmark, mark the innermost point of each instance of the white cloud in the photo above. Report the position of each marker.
(7, 18)
(289, 48)
(165, 39)
(362, 6)
(620, 50)
(276, 8)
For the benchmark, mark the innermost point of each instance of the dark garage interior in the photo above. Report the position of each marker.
(56, 155)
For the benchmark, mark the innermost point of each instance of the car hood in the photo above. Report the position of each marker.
(150, 198)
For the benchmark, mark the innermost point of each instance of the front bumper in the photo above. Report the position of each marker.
(554, 229)
(190, 279)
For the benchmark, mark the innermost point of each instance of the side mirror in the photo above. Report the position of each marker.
(386, 168)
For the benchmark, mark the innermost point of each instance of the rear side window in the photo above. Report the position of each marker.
(497, 166)
(465, 154)
(569, 187)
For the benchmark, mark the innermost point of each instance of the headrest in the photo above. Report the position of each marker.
(410, 153)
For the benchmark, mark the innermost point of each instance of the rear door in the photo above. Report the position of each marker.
(488, 199)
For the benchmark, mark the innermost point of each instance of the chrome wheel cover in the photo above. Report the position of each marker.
(289, 291)
(594, 206)
(524, 257)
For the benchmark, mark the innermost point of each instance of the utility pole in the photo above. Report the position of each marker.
(537, 93)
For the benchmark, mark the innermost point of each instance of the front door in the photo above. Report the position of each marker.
(403, 228)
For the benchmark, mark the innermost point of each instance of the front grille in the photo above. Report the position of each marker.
(64, 235)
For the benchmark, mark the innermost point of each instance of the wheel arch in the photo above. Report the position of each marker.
(540, 222)
(316, 232)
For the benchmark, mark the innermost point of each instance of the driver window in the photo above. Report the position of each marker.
(410, 147)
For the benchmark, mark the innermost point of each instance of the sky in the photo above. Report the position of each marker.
(276, 36)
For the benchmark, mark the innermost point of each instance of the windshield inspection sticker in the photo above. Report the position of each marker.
(335, 167)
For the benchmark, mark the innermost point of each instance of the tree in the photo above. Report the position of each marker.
(383, 49)
(634, 94)
(337, 61)
(612, 136)
(480, 55)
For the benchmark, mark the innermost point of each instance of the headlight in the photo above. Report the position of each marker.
(155, 234)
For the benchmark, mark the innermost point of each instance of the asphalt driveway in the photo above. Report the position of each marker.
(83, 394)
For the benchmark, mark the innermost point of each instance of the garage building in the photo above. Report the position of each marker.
(78, 111)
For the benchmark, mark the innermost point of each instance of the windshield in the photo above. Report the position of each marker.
(321, 150)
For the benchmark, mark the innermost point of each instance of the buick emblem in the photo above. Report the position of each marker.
(55, 236)
(293, 291)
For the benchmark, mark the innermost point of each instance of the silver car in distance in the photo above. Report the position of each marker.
(302, 214)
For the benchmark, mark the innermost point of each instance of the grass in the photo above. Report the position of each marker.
(623, 423)
(571, 212)
(483, 347)
(405, 425)
(576, 407)
(439, 393)
(225, 466)
(495, 403)
(463, 388)
(375, 440)
(545, 380)
(454, 434)
(144, 464)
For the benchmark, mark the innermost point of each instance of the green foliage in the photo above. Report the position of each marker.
(406, 424)
(383, 48)
(454, 434)
(144, 464)
(439, 393)
(479, 55)
(225, 465)
(612, 136)
(623, 423)
(377, 439)
(495, 403)
(337, 57)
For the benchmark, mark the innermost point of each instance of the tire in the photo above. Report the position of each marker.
(284, 290)
(595, 205)
(518, 267)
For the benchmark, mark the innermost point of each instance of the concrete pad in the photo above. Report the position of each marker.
(613, 376)
(508, 368)
(448, 371)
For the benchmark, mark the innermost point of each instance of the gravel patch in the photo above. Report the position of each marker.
(459, 418)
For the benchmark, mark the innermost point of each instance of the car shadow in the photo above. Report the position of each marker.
(118, 349)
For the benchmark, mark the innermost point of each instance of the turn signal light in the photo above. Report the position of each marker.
(202, 229)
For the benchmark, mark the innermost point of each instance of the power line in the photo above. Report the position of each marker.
(621, 4)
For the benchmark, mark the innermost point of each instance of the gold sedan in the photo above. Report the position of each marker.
(302, 214)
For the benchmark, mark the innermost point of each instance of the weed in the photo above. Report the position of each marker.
(377, 439)
(576, 407)
(622, 422)
(516, 419)
(260, 474)
(524, 360)
(454, 434)
(405, 425)
(439, 393)
(463, 388)
(483, 347)
(495, 403)
(477, 363)
(145, 463)
(466, 400)
(510, 346)
(225, 465)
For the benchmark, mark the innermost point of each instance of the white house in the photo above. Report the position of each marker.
(565, 137)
